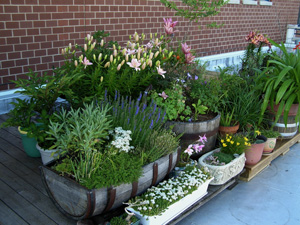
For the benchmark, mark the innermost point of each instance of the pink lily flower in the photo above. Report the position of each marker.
(189, 150)
(86, 62)
(189, 58)
(198, 148)
(202, 139)
(135, 64)
(185, 48)
(164, 95)
(169, 26)
(160, 71)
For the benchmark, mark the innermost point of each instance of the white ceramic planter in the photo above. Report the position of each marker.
(47, 155)
(269, 145)
(176, 208)
(222, 174)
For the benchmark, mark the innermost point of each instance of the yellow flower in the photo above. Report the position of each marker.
(246, 143)
(224, 145)
(222, 141)
(228, 140)
(231, 142)
(246, 139)
(257, 132)
(237, 143)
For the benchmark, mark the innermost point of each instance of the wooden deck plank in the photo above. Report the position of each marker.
(21, 206)
(37, 198)
(9, 217)
(22, 171)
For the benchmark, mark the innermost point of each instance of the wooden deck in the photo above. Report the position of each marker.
(23, 198)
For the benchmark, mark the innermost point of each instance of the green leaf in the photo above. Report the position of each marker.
(282, 90)
(281, 75)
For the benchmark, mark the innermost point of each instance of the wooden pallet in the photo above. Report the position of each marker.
(282, 147)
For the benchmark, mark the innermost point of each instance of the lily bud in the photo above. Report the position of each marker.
(94, 57)
(105, 57)
(119, 67)
(150, 63)
(115, 61)
(124, 51)
(160, 49)
(155, 35)
(158, 63)
(129, 37)
(150, 35)
(170, 54)
(63, 51)
(101, 79)
(122, 63)
(107, 64)
(119, 47)
(145, 55)
(102, 43)
(70, 46)
(93, 46)
(151, 55)
(128, 43)
(92, 38)
(114, 47)
(136, 37)
(75, 63)
(156, 54)
(99, 57)
(139, 56)
(143, 66)
(126, 58)
(85, 47)
(115, 53)
(88, 37)
(111, 58)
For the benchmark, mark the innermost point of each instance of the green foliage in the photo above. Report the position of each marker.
(199, 109)
(281, 82)
(174, 104)
(270, 133)
(195, 10)
(234, 144)
(228, 118)
(223, 157)
(80, 130)
(125, 219)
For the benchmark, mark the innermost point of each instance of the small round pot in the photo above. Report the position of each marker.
(269, 145)
(47, 155)
(223, 130)
(29, 144)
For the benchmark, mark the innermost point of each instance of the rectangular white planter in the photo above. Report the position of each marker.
(176, 208)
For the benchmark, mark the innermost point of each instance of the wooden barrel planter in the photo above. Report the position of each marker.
(192, 130)
(291, 128)
(78, 202)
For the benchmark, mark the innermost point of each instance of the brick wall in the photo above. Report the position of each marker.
(32, 32)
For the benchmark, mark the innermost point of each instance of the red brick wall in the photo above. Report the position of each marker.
(32, 32)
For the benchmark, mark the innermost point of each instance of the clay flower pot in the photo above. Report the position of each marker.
(223, 130)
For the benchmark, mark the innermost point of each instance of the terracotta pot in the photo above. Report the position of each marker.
(293, 110)
(223, 130)
(254, 152)
(269, 145)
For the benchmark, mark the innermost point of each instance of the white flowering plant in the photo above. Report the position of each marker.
(157, 199)
(120, 140)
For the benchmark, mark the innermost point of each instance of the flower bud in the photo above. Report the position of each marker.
(150, 35)
(139, 56)
(150, 63)
(101, 79)
(63, 51)
(160, 49)
(158, 63)
(88, 37)
(124, 51)
(143, 66)
(89, 42)
(151, 55)
(170, 54)
(102, 43)
(119, 67)
(156, 54)
(126, 58)
(70, 46)
(115, 61)
(100, 57)
(115, 53)
(85, 47)
(93, 46)
(136, 37)
(94, 57)
(129, 37)
(105, 57)
(107, 64)
(75, 63)
(111, 58)
(128, 43)
(122, 63)
(92, 38)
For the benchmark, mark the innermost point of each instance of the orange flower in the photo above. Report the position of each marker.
(297, 46)
(178, 57)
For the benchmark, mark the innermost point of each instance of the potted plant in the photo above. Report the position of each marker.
(23, 116)
(228, 122)
(257, 143)
(114, 148)
(271, 136)
(125, 219)
(280, 80)
(160, 204)
(227, 161)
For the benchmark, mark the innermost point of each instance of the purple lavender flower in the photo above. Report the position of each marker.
(116, 95)
(196, 77)
(137, 110)
(140, 97)
(189, 76)
(158, 116)
(151, 125)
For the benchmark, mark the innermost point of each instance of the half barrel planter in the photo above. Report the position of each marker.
(291, 129)
(192, 130)
(224, 173)
(79, 202)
